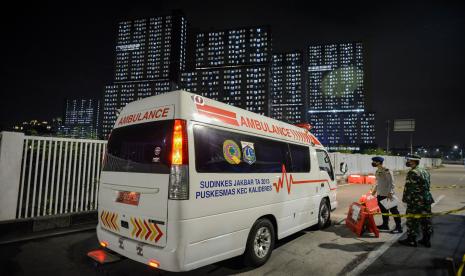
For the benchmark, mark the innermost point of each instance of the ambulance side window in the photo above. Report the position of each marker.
(325, 163)
(300, 157)
(220, 151)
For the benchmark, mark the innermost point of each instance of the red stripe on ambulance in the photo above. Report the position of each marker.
(290, 181)
(223, 115)
(216, 110)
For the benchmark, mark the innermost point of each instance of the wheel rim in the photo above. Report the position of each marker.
(262, 242)
(324, 213)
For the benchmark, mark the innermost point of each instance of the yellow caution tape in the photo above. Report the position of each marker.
(459, 272)
(422, 215)
(447, 187)
(441, 187)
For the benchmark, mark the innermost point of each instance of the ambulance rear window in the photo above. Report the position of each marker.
(142, 148)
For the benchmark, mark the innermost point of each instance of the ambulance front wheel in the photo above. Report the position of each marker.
(260, 243)
(324, 214)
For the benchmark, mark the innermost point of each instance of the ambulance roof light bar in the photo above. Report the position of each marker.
(306, 126)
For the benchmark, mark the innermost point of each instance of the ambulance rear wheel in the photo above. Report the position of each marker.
(260, 243)
(324, 214)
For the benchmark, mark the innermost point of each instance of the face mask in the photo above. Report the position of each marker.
(374, 164)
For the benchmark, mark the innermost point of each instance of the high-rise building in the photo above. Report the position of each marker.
(150, 55)
(81, 119)
(232, 66)
(287, 97)
(336, 96)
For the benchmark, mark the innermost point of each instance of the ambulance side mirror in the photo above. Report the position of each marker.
(343, 167)
(327, 160)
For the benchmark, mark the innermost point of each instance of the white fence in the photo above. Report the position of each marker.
(361, 163)
(41, 176)
(48, 176)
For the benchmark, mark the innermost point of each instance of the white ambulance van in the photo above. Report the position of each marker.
(189, 181)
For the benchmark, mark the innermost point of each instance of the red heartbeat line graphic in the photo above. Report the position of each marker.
(291, 181)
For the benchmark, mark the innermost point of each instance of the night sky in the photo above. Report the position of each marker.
(416, 51)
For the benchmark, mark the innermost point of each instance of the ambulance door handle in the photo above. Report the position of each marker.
(322, 185)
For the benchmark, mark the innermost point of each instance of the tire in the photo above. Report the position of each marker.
(324, 214)
(260, 243)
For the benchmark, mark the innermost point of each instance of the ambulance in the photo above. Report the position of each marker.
(188, 181)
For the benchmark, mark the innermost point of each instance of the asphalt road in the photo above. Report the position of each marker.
(448, 240)
(332, 251)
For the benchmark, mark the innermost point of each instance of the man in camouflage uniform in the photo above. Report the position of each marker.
(418, 198)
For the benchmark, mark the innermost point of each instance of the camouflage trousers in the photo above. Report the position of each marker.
(413, 224)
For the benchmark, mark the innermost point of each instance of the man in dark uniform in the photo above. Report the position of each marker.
(385, 189)
(418, 198)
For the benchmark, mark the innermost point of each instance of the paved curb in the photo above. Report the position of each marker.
(25, 229)
(48, 234)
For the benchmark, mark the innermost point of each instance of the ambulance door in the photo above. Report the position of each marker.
(299, 157)
(326, 173)
(135, 182)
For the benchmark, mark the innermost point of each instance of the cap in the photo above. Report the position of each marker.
(378, 159)
(413, 157)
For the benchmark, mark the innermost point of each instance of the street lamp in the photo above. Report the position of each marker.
(457, 147)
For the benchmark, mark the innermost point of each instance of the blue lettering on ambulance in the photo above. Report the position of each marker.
(220, 188)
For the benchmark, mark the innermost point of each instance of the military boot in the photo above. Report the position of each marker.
(426, 240)
(412, 242)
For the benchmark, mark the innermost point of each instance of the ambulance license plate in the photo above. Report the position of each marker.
(131, 198)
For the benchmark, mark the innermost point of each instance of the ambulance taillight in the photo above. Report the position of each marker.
(178, 182)
(153, 263)
(179, 143)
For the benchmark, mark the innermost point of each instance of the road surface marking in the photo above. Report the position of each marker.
(374, 255)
